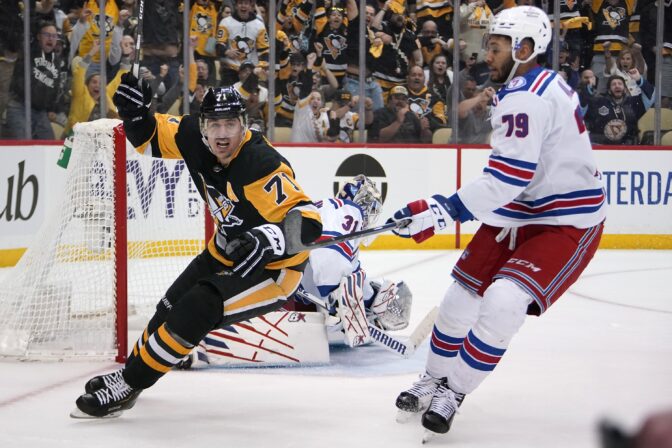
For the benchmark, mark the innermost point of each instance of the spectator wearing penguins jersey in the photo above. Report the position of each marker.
(423, 102)
(397, 123)
(241, 36)
(45, 69)
(612, 118)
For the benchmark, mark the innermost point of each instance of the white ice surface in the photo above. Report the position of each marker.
(604, 350)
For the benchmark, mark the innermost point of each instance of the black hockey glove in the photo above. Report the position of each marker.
(132, 98)
(251, 251)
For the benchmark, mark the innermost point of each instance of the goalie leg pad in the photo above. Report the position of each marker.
(349, 297)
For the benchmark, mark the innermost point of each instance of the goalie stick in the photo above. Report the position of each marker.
(294, 245)
(384, 339)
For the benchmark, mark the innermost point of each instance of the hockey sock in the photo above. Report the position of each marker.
(142, 340)
(501, 316)
(154, 323)
(457, 313)
(162, 350)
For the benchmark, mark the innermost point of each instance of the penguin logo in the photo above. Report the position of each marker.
(244, 44)
(361, 164)
(108, 23)
(203, 23)
(336, 44)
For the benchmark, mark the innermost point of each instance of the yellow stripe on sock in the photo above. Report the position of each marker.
(171, 342)
(151, 362)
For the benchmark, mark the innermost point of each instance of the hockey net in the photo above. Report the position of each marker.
(126, 227)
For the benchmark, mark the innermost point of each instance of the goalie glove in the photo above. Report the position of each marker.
(254, 249)
(427, 216)
(132, 98)
(391, 306)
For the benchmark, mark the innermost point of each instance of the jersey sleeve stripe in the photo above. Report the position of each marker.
(559, 204)
(559, 211)
(509, 170)
(595, 192)
(507, 179)
(515, 162)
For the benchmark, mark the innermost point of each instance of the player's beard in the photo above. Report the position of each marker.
(503, 74)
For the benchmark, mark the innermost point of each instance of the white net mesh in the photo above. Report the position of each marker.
(60, 299)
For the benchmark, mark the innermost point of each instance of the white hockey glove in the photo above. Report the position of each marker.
(391, 306)
(349, 297)
(251, 251)
(427, 216)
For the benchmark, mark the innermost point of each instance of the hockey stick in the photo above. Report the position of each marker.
(384, 339)
(138, 39)
(294, 245)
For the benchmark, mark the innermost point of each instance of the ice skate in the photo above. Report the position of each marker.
(442, 409)
(109, 401)
(100, 381)
(417, 398)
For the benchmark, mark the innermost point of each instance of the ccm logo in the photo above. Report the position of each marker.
(524, 263)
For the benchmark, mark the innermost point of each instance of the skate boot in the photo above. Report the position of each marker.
(109, 401)
(417, 398)
(438, 418)
(100, 381)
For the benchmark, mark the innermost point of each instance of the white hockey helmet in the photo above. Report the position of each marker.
(363, 191)
(523, 22)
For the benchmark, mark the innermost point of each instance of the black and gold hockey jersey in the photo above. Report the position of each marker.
(440, 11)
(424, 104)
(391, 68)
(203, 23)
(335, 44)
(612, 23)
(257, 187)
(93, 31)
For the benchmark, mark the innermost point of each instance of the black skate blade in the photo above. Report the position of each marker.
(79, 415)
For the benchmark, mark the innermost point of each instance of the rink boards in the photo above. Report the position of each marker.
(638, 183)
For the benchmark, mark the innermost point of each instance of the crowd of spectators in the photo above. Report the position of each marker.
(607, 54)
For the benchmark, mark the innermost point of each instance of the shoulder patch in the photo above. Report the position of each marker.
(516, 83)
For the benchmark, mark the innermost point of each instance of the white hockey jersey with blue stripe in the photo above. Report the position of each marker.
(328, 265)
(541, 169)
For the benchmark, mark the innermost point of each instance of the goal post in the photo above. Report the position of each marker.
(120, 242)
(125, 227)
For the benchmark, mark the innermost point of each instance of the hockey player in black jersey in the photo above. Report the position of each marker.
(244, 271)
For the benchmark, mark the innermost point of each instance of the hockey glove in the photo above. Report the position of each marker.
(251, 251)
(132, 98)
(427, 216)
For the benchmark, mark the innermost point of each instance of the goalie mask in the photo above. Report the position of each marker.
(363, 191)
(222, 102)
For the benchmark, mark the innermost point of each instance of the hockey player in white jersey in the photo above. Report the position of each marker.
(335, 279)
(541, 204)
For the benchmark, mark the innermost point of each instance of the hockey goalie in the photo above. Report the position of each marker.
(336, 302)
